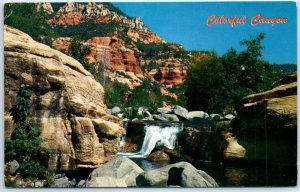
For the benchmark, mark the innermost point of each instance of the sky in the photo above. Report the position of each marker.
(185, 23)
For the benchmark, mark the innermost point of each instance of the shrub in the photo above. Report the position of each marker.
(25, 143)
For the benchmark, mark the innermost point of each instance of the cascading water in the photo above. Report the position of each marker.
(156, 136)
(123, 139)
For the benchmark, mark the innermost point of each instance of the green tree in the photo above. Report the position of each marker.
(217, 84)
(147, 95)
(25, 143)
(79, 51)
(26, 18)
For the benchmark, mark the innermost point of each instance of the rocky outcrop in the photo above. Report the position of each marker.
(181, 174)
(168, 76)
(76, 13)
(266, 124)
(144, 37)
(67, 103)
(119, 172)
(45, 6)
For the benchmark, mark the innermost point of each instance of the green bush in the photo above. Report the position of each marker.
(25, 144)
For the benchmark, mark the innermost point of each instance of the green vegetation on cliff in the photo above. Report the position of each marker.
(25, 145)
(26, 18)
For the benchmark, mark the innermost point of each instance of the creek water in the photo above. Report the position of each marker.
(226, 174)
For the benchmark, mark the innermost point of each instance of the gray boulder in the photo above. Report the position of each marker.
(115, 110)
(120, 168)
(180, 111)
(170, 117)
(106, 182)
(197, 114)
(62, 182)
(179, 174)
(12, 166)
(164, 110)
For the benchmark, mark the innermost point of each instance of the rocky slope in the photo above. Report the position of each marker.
(266, 124)
(119, 49)
(73, 118)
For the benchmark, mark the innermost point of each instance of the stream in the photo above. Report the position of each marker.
(226, 174)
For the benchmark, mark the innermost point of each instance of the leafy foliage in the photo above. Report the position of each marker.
(148, 95)
(26, 18)
(114, 94)
(25, 143)
(217, 84)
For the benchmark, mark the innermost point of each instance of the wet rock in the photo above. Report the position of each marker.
(186, 175)
(233, 149)
(159, 156)
(119, 170)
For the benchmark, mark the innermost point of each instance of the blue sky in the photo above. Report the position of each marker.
(185, 23)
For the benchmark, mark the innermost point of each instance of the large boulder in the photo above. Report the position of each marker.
(201, 144)
(266, 124)
(197, 114)
(120, 169)
(180, 111)
(233, 148)
(67, 103)
(106, 182)
(179, 174)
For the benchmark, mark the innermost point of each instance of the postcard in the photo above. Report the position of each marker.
(150, 94)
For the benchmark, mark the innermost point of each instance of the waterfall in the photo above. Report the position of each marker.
(123, 139)
(156, 136)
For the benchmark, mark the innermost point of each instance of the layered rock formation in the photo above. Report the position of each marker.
(266, 124)
(109, 50)
(67, 103)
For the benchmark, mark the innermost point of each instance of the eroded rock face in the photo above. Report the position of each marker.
(266, 124)
(67, 103)
(108, 50)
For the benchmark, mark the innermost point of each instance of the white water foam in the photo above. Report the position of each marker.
(156, 136)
